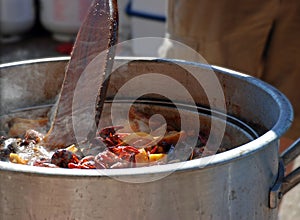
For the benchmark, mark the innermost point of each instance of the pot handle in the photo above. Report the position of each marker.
(285, 183)
(293, 178)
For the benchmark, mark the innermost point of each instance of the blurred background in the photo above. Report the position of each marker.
(47, 28)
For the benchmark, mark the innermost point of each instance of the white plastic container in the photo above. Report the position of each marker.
(63, 17)
(16, 18)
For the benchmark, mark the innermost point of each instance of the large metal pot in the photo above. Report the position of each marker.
(245, 182)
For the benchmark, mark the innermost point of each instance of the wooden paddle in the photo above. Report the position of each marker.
(97, 34)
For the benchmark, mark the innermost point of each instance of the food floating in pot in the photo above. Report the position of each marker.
(116, 153)
(113, 147)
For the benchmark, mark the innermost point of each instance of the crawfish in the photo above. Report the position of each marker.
(126, 153)
(109, 131)
(63, 157)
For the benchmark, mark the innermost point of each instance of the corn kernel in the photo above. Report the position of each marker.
(72, 148)
(156, 157)
(15, 158)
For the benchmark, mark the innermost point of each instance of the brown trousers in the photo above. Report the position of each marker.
(260, 38)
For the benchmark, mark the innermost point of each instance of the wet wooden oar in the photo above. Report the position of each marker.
(98, 33)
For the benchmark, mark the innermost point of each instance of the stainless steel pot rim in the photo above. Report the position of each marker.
(203, 163)
(283, 123)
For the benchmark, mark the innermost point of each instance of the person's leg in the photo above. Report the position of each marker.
(282, 61)
(229, 33)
